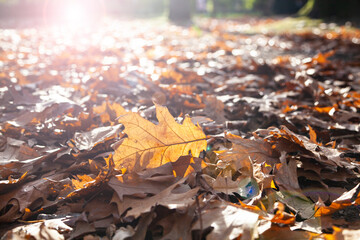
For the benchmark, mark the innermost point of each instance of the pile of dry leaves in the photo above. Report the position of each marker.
(134, 130)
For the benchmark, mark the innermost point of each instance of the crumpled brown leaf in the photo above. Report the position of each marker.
(346, 199)
(53, 229)
(228, 221)
(176, 196)
(30, 197)
(88, 140)
(136, 185)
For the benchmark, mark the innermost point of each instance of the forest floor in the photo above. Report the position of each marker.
(138, 129)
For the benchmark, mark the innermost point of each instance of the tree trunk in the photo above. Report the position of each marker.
(264, 6)
(215, 8)
(180, 11)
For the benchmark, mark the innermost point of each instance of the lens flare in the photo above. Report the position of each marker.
(73, 14)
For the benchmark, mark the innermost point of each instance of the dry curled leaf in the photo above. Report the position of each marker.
(228, 221)
(176, 196)
(49, 229)
(149, 145)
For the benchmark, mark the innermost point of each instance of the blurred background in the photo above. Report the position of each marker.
(177, 10)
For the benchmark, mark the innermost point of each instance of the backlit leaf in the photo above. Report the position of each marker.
(149, 145)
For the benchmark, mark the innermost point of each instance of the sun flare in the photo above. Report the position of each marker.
(74, 14)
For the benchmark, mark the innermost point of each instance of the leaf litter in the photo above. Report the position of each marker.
(141, 130)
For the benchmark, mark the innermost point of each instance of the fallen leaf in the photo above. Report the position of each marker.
(282, 217)
(346, 234)
(85, 184)
(33, 195)
(176, 196)
(345, 200)
(312, 134)
(81, 228)
(142, 227)
(214, 109)
(178, 224)
(228, 222)
(296, 201)
(186, 165)
(53, 229)
(149, 145)
(244, 152)
(276, 232)
(109, 112)
(5, 185)
(137, 185)
(88, 140)
(124, 233)
(286, 174)
(321, 58)
(311, 225)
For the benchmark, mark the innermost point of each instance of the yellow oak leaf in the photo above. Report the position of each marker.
(150, 146)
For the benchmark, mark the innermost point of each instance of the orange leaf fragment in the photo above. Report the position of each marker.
(150, 146)
(313, 136)
(109, 112)
(282, 217)
(329, 110)
(194, 105)
(12, 180)
(322, 58)
(174, 75)
(327, 210)
(186, 165)
(347, 199)
(82, 182)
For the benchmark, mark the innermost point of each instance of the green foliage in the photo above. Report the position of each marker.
(306, 9)
(287, 25)
(249, 4)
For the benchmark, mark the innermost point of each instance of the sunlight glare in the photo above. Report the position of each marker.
(75, 14)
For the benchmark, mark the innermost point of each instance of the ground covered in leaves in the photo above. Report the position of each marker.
(145, 130)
